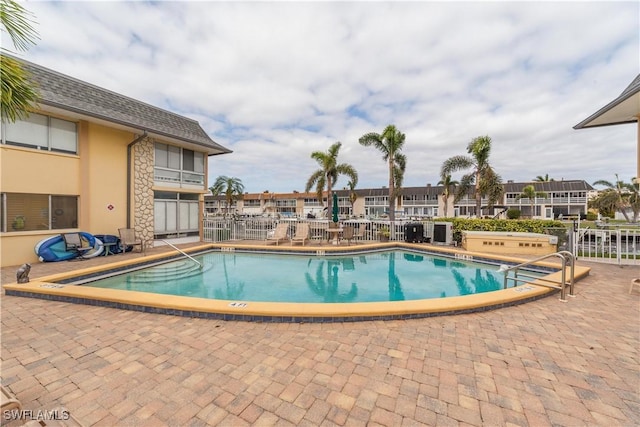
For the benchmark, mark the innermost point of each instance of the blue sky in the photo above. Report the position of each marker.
(275, 81)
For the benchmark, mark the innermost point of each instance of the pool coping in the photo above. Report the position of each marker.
(52, 287)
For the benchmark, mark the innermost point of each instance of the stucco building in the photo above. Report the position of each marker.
(89, 159)
(557, 198)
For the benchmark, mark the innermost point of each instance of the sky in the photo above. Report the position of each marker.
(276, 81)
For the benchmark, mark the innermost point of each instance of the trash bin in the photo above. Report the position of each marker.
(414, 233)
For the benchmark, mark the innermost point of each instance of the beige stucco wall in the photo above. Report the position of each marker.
(358, 207)
(507, 243)
(107, 180)
(32, 171)
(97, 175)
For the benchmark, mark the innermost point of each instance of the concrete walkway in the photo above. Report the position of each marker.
(545, 363)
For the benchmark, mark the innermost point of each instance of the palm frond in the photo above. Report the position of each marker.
(18, 23)
(455, 164)
(19, 93)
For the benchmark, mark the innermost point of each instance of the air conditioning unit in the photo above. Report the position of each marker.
(442, 233)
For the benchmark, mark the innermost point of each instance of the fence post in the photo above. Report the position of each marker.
(619, 246)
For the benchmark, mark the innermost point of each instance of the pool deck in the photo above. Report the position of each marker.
(542, 363)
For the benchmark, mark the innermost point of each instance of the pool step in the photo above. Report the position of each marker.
(176, 270)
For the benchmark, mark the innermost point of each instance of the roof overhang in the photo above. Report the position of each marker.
(624, 109)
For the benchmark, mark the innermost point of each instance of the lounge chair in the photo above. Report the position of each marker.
(302, 233)
(73, 243)
(128, 238)
(280, 233)
(9, 401)
(348, 233)
(634, 282)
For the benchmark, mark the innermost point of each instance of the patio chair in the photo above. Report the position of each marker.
(73, 243)
(634, 282)
(302, 233)
(280, 233)
(9, 400)
(348, 233)
(128, 238)
(359, 235)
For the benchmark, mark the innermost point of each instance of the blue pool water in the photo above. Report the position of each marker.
(381, 276)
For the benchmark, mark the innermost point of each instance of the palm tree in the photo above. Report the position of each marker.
(544, 178)
(19, 94)
(390, 143)
(353, 196)
(232, 188)
(529, 192)
(486, 182)
(619, 196)
(328, 173)
(449, 188)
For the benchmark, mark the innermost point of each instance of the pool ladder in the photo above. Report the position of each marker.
(518, 276)
(183, 253)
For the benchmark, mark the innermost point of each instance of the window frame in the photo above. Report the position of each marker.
(166, 170)
(53, 133)
(50, 211)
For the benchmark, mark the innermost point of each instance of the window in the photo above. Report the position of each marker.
(175, 213)
(178, 165)
(43, 133)
(31, 212)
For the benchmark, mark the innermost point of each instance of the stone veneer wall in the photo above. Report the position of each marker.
(143, 162)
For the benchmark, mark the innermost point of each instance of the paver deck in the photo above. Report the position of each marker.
(544, 363)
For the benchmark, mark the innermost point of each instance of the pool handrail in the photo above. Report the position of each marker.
(183, 253)
(565, 256)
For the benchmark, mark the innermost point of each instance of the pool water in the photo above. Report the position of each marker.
(396, 275)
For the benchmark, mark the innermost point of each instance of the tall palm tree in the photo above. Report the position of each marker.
(529, 192)
(19, 94)
(353, 196)
(327, 175)
(390, 143)
(449, 188)
(544, 178)
(485, 181)
(232, 188)
(619, 196)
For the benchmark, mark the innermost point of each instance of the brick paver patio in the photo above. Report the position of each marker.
(545, 363)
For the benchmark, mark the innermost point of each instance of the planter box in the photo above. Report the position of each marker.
(509, 243)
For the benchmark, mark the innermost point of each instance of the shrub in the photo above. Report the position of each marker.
(513, 213)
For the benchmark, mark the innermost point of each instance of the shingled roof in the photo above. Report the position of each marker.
(70, 94)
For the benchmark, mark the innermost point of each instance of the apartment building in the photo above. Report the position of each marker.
(93, 160)
(560, 198)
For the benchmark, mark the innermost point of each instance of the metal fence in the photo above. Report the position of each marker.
(612, 245)
(222, 230)
(616, 245)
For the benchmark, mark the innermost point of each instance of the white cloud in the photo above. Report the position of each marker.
(274, 81)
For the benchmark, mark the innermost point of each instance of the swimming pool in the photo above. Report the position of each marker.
(392, 275)
(64, 286)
